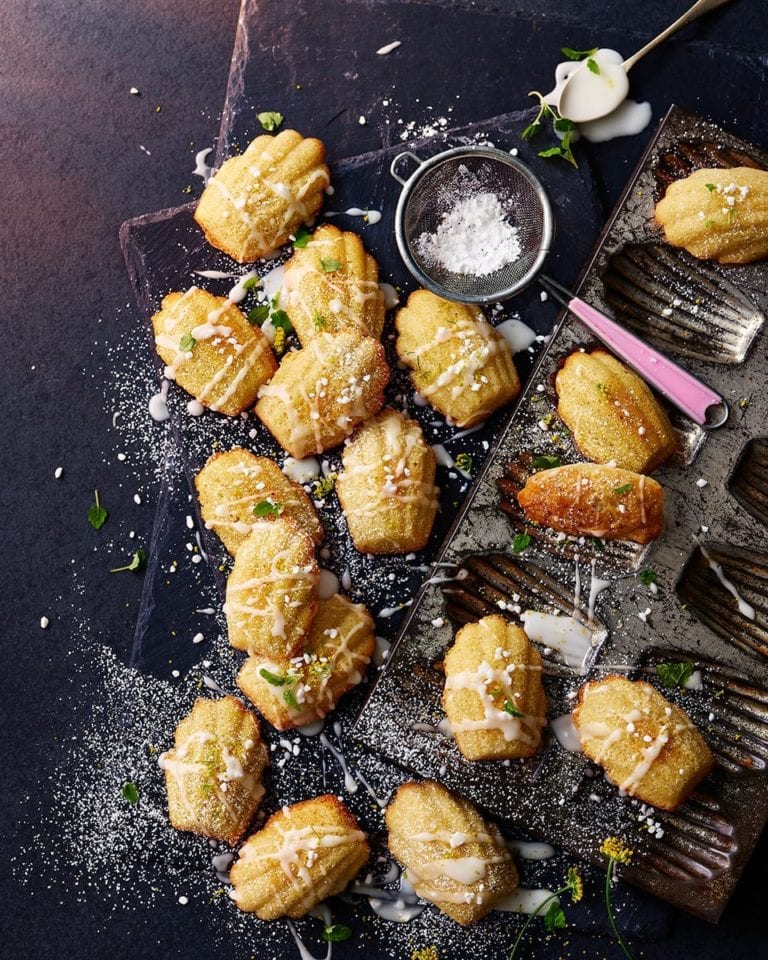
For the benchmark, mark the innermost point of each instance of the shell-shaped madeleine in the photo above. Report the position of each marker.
(647, 746)
(213, 772)
(301, 856)
(613, 415)
(232, 485)
(596, 501)
(272, 589)
(256, 201)
(387, 488)
(323, 391)
(493, 696)
(332, 284)
(454, 857)
(211, 350)
(458, 362)
(335, 656)
(718, 214)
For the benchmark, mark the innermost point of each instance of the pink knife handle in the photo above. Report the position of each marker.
(686, 392)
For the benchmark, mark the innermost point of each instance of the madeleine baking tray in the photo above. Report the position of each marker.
(711, 319)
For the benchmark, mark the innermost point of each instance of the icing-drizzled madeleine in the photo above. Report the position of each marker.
(323, 391)
(596, 501)
(646, 745)
(213, 772)
(387, 488)
(458, 362)
(332, 284)
(302, 855)
(718, 214)
(256, 201)
(455, 858)
(272, 589)
(613, 415)
(493, 696)
(211, 350)
(236, 488)
(334, 658)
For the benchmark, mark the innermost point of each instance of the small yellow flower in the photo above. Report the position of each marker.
(616, 850)
(575, 884)
(426, 953)
(279, 344)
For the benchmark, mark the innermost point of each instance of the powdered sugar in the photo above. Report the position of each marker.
(474, 236)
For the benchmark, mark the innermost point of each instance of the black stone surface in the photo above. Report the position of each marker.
(73, 171)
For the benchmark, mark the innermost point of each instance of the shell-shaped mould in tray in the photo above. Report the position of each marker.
(726, 588)
(748, 483)
(687, 307)
(691, 155)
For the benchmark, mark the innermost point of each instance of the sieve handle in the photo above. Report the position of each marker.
(405, 155)
(687, 393)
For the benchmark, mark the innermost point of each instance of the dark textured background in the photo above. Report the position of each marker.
(72, 172)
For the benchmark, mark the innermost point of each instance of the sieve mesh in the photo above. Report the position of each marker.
(433, 191)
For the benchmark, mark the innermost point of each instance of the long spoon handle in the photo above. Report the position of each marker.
(697, 10)
(687, 393)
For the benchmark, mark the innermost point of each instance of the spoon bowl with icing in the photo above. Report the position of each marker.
(588, 89)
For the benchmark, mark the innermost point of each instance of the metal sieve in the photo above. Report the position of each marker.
(432, 191)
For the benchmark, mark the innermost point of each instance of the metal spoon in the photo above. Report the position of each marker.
(597, 95)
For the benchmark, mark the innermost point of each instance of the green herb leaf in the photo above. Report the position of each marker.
(276, 679)
(319, 321)
(464, 462)
(259, 315)
(290, 698)
(136, 563)
(270, 120)
(647, 577)
(252, 282)
(598, 544)
(710, 187)
(268, 508)
(593, 66)
(554, 918)
(336, 933)
(97, 515)
(675, 674)
(329, 264)
(511, 709)
(709, 223)
(546, 462)
(564, 125)
(577, 54)
(130, 792)
(531, 130)
(302, 238)
(623, 489)
(601, 388)
(187, 343)
(521, 542)
(280, 320)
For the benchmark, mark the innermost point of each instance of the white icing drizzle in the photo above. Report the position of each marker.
(391, 296)
(530, 850)
(327, 585)
(158, 404)
(398, 906)
(572, 639)
(744, 608)
(444, 459)
(566, 733)
(518, 335)
(350, 784)
(524, 901)
(301, 471)
(370, 216)
(596, 587)
(201, 167)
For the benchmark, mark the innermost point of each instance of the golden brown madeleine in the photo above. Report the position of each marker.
(302, 855)
(211, 350)
(335, 656)
(256, 201)
(232, 485)
(387, 488)
(323, 391)
(458, 362)
(613, 415)
(454, 857)
(646, 745)
(332, 284)
(596, 501)
(213, 772)
(718, 214)
(493, 696)
(272, 589)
